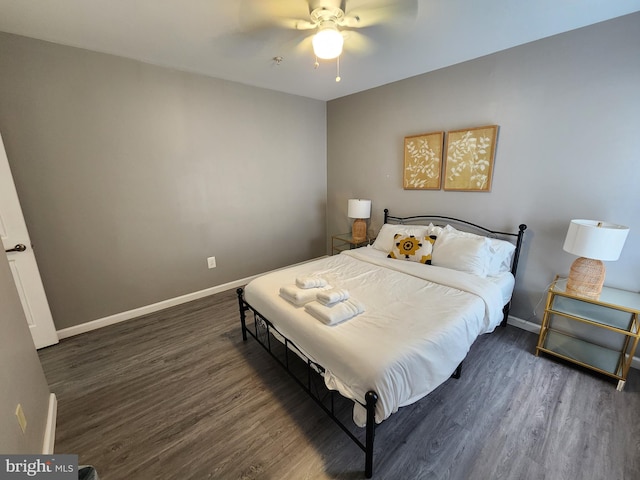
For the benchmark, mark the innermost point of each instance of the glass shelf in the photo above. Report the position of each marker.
(583, 352)
(345, 241)
(612, 297)
(611, 317)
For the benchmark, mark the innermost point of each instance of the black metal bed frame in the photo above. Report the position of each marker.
(263, 331)
(485, 231)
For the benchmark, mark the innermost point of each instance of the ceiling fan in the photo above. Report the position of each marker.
(333, 21)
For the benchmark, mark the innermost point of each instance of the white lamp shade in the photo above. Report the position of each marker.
(359, 208)
(596, 240)
(328, 42)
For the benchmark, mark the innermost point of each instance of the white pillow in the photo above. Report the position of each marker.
(502, 256)
(384, 240)
(434, 229)
(469, 254)
(500, 251)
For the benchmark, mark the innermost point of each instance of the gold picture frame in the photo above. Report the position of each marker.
(423, 161)
(470, 154)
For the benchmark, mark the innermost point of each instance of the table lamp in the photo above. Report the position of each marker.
(593, 241)
(360, 210)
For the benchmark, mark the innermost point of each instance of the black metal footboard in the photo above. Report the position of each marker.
(267, 335)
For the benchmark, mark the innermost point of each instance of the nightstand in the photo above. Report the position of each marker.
(344, 241)
(600, 334)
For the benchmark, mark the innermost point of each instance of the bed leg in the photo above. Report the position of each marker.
(243, 316)
(505, 312)
(371, 398)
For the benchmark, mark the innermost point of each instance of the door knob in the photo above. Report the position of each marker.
(18, 248)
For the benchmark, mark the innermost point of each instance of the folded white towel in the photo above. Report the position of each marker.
(299, 296)
(332, 296)
(310, 281)
(338, 313)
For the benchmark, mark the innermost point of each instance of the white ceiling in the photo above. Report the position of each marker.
(211, 36)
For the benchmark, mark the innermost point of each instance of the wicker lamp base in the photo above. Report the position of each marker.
(359, 230)
(586, 277)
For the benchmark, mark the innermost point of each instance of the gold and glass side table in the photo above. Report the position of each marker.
(344, 241)
(600, 334)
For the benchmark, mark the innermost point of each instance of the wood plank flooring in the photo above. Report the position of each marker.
(178, 395)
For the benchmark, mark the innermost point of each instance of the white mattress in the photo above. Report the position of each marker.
(418, 325)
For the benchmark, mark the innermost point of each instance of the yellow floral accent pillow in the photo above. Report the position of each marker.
(412, 248)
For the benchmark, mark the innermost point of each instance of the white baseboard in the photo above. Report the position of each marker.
(524, 324)
(50, 428)
(155, 307)
(535, 328)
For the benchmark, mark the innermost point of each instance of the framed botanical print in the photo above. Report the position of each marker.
(469, 160)
(423, 161)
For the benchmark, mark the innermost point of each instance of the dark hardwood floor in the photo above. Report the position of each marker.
(179, 395)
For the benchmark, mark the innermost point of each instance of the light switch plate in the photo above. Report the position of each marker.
(22, 420)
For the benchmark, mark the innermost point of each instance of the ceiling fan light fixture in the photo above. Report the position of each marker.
(328, 42)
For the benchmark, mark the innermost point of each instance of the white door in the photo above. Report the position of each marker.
(22, 261)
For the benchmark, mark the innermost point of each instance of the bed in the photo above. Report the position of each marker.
(408, 309)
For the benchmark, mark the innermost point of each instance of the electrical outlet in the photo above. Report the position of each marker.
(22, 420)
(211, 262)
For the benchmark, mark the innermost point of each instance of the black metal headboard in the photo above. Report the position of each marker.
(440, 220)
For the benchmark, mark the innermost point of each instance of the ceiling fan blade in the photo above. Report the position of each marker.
(361, 14)
(304, 25)
(304, 46)
(357, 42)
(270, 40)
(252, 43)
(291, 14)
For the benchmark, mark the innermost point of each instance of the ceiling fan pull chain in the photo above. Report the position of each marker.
(316, 65)
(338, 69)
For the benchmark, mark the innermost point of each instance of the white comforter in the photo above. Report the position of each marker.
(418, 325)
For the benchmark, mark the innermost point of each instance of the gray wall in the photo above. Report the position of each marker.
(569, 116)
(130, 175)
(21, 375)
